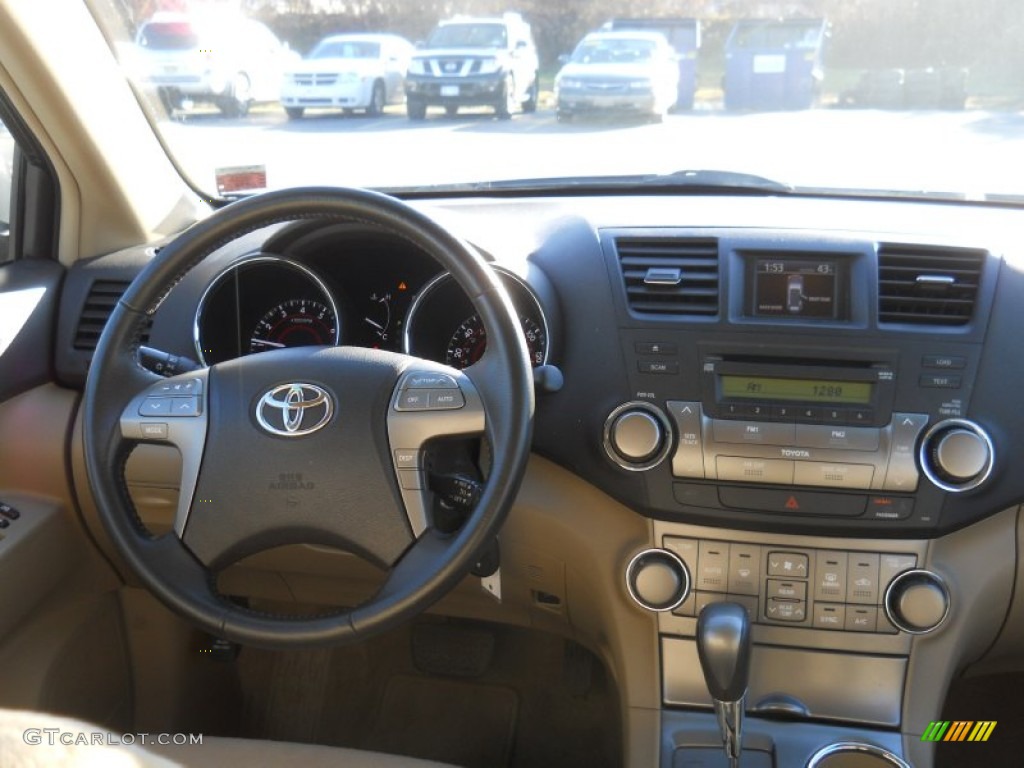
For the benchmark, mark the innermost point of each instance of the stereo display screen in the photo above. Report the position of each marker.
(803, 390)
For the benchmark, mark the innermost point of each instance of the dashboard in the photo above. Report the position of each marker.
(807, 400)
(766, 376)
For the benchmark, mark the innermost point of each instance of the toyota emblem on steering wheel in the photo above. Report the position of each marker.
(294, 410)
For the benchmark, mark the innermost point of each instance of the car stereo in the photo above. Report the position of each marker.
(856, 392)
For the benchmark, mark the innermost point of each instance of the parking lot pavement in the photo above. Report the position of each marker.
(864, 149)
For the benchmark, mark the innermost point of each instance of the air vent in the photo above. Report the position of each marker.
(670, 275)
(99, 304)
(924, 285)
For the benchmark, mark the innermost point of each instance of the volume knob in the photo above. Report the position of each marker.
(956, 454)
(636, 436)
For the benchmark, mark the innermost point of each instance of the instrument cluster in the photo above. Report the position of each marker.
(363, 292)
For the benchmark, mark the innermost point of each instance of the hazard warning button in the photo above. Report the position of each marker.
(818, 503)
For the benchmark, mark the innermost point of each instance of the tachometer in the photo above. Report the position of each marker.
(295, 323)
(469, 341)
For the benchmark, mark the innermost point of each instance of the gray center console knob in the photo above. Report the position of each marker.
(917, 601)
(961, 454)
(658, 580)
(637, 436)
(956, 455)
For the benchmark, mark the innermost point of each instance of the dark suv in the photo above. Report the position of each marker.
(475, 62)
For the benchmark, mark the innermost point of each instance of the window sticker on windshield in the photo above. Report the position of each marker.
(241, 178)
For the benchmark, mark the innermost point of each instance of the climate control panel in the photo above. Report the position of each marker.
(839, 590)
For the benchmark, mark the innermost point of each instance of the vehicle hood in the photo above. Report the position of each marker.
(480, 53)
(334, 66)
(610, 71)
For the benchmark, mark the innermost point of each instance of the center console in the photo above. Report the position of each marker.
(798, 451)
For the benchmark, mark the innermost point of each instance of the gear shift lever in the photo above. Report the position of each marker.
(723, 645)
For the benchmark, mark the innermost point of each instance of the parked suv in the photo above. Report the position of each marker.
(229, 60)
(475, 62)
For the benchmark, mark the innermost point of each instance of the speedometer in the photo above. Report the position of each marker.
(469, 341)
(295, 323)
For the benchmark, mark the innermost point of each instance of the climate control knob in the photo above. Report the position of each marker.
(637, 436)
(956, 455)
(917, 601)
(658, 580)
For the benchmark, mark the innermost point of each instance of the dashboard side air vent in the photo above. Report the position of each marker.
(99, 304)
(672, 276)
(927, 285)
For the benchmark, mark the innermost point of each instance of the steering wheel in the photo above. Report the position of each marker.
(316, 445)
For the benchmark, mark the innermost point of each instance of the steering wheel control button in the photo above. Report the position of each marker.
(428, 381)
(658, 580)
(637, 436)
(957, 455)
(179, 388)
(407, 459)
(155, 406)
(411, 479)
(184, 406)
(153, 430)
(444, 399)
(917, 602)
(412, 400)
(9, 512)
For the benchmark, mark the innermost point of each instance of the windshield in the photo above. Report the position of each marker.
(778, 34)
(616, 51)
(468, 36)
(168, 36)
(346, 49)
(882, 97)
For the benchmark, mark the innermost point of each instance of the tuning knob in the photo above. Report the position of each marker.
(956, 455)
(658, 580)
(917, 601)
(636, 436)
